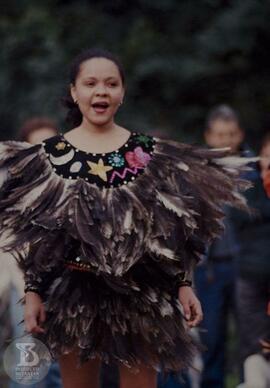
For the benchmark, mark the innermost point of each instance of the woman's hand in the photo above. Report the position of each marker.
(34, 313)
(191, 306)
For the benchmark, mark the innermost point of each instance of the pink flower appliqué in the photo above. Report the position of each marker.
(137, 158)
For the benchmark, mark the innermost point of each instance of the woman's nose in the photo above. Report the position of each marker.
(101, 91)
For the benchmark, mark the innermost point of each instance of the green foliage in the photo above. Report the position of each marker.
(181, 58)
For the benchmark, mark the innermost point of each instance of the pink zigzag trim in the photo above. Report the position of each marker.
(123, 175)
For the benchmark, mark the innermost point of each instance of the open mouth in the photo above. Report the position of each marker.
(100, 107)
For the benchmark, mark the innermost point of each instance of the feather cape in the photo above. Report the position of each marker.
(171, 211)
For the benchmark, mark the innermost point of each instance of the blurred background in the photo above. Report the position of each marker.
(181, 58)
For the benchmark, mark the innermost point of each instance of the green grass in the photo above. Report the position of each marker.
(231, 381)
(232, 370)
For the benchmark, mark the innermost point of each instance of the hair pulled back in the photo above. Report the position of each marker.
(74, 115)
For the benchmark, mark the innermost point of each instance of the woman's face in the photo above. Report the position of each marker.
(98, 90)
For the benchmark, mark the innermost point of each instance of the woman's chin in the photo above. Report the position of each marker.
(99, 121)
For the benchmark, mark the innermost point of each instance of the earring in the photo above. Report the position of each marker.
(120, 103)
(76, 102)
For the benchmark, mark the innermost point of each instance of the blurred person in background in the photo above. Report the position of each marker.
(37, 129)
(34, 131)
(215, 278)
(11, 313)
(5, 327)
(253, 284)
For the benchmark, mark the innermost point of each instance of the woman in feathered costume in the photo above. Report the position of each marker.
(107, 225)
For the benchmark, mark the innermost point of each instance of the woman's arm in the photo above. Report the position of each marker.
(34, 310)
(37, 280)
(34, 313)
(191, 305)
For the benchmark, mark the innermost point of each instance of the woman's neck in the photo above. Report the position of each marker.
(88, 128)
(97, 139)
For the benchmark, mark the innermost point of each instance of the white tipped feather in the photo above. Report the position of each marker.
(240, 198)
(221, 149)
(3, 176)
(156, 248)
(7, 237)
(128, 221)
(165, 308)
(183, 166)
(235, 161)
(27, 200)
(107, 230)
(165, 199)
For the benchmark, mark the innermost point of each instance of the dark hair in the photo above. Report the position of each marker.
(222, 112)
(74, 115)
(35, 123)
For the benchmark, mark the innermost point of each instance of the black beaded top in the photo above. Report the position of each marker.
(110, 169)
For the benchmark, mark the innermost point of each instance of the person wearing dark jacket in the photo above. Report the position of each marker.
(253, 264)
(215, 279)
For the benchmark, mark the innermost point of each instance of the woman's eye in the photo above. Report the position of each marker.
(112, 84)
(90, 84)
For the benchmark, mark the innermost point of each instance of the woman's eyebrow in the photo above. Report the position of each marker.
(95, 78)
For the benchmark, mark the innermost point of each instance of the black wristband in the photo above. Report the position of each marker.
(183, 280)
(185, 283)
(32, 288)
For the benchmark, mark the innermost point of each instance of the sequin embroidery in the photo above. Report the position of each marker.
(111, 169)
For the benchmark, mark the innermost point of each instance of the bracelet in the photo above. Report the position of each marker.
(183, 280)
(185, 283)
(31, 288)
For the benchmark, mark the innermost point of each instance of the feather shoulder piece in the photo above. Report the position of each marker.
(167, 201)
